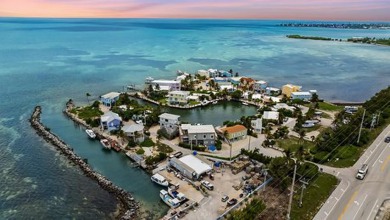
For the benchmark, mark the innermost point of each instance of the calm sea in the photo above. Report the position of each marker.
(48, 61)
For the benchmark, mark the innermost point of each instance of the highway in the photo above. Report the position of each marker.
(361, 199)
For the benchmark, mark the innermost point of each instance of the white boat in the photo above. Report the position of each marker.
(148, 80)
(172, 191)
(171, 202)
(90, 133)
(245, 103)
(105, 143)
(215, 102)
(157, 178)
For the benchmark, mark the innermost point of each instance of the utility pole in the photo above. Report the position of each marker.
(249, 144)
(303, 188)
(377, 121)
(292, 189)
(230, 152)
(361, 125)
(373, 122)
(265, 178)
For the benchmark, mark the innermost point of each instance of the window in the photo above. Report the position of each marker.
(204, 136)
(212, 136)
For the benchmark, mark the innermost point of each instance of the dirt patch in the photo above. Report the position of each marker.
(275, 202)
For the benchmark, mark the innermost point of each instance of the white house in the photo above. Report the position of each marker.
(306, 96)
(260, 86)
(110, 121)
(278, 106)
(272, 91)
(271, 115)
(257, 125)
(213, 73)
(169, 85)
(135, 131)
(192, 166)
(109, 98)
(169, 120)
(178, 97)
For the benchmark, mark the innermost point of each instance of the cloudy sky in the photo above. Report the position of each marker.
(376, 10)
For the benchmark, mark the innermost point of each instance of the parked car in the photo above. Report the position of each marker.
(225, 198)
(232, 202)
(387, 139)
(207, 184)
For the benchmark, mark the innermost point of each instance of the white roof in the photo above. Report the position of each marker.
(169, 116)
(165, 81)
(196, 164)
(179, 93)
(196, 129)
(159, 177)
(272, 89)
(236, 78)
(256, 96)
(133, 128)
(301, 93)
(261, 82)
(226, 87)
(165, 88)
(212, 70)
(271, 115)
(109, 116)
(111, 95)
(283, 105)
(193, 97)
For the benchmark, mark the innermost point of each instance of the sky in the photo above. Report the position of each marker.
(359, 10)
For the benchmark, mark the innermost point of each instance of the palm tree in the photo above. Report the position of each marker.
(88, 95)
(302, 134)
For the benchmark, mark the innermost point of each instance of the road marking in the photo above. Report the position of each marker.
(360, 206)
(348, 204)
(385, 163)
(336, 199)
(379, 156)
(372, 210)
(326, 214)
(337, 173)
(343, 190)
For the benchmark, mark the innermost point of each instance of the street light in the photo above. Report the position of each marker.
(292, 189)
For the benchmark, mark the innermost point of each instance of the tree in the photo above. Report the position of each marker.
(150, 89)
(314, 98)
(302, 134)
(88, 95)
(236, 75)
(157, 87)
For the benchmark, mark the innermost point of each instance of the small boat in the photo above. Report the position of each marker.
(90, 133)
(173, 203)
(157, 178)
(105, 143)
(245, 103)
(215, 102)
(172, 191)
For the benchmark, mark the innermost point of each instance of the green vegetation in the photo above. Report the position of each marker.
(151, 160)
(164, 148)
(147, 143)
(329, 107)
(368, 40)
(314, 195)
(194, 147)
(293, 144)
(296, 36)
(251, 210)
(192, 102)
(89, 112)
(140, 151)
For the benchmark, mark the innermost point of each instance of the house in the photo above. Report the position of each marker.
(221, 79)
(135, 131)
(272, 91)
(223, 73)
(110, 121)
(194, 98)
(305, 96)
(178, 97)
(110, 98)
(247, 82)
(260, 86)
(271, 115)
(236, 132)
(213, 73)
(191, 166)
(204, 73)
(167, 85)
(169, 120)
(257, 97)
(257, 125)
(197, 134)
(288, 89)
(236, 80)
(278, 106)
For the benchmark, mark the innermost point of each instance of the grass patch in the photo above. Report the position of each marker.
(325, 115)
(89, 112)
(164, 148)
(192, 102)
(147, 143)
(293, 144)
(314, 128)
(314, 195)
(163, 101)
(329, 107)
(346, 156)
(221, 158)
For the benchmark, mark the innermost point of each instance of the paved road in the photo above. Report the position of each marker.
(361, 199)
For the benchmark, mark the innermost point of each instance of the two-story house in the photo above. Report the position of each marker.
(110, 98)
(178, 97)
(197, 134)
(110, 121)
(260, 86)
(235, 133)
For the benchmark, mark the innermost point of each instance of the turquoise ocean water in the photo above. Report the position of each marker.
(48, 61)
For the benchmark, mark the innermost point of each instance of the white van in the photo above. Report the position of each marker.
(362, 172)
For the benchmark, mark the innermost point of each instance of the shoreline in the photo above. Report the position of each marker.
(128, 208)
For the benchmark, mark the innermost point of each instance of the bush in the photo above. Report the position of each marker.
(147, 143)
(218, 144)
(140, 151)
(320, 157)
(131, 143)
(194, 147)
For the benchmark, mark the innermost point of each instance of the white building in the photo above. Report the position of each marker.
(135, 131)
(260, 86)
(278, 106)
(167, 85)
(109, 98)
(271, 115)
(169, 120)
(198, 134)
(257, 125)
(305, 96)
(192, 167)
(213, 73)
(178, 97)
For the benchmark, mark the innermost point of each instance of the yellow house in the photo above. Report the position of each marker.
(288, 89)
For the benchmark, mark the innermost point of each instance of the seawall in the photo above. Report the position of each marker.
(129, 208)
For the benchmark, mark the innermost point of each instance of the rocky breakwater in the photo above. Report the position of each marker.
(129, 208)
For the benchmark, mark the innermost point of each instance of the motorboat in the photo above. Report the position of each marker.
(171, 202)
(245, 103)
(215, 102)
(90, 133)
(157, 178)
(106, 144)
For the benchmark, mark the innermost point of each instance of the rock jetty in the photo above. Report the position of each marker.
(129, 208)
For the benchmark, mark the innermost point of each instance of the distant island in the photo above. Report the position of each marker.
(340, 25)
(364, 40)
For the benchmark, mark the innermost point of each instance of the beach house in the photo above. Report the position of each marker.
(288, 89)
(260, 86)
(271, 91)
(110, 98)
(197, 134)
(235, 133)
(134, 131)
(305, 96)
(257, 125)
(271, 115)
(110, 121)
(166, 85)
(178, 97)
